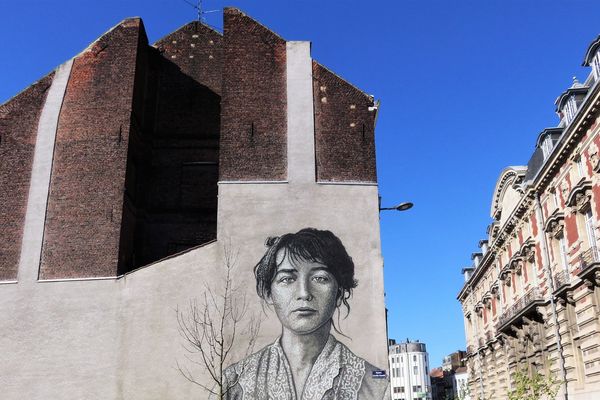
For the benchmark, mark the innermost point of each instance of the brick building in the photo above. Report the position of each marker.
(531, 298)
(124, 174)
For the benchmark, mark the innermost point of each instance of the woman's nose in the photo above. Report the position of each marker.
(303, 291)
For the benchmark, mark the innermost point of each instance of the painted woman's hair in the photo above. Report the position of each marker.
(308, 244)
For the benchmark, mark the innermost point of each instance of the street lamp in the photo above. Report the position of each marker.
(407, 205)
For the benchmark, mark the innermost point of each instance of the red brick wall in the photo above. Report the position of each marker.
(81, 237)
(254, 110)
(18, 127)
(344, 129)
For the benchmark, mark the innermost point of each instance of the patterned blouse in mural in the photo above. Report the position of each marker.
(338, 374)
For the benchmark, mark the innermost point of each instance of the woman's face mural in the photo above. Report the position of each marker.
(305, 276)
(303, 293)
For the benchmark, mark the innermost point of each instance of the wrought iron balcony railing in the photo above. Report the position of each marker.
(561, 279)
(587, 258)
(520, 307)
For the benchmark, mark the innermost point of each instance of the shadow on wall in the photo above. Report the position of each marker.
(170, 200)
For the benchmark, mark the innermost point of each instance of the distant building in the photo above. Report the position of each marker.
(531, 298)
(445, 383)
(409, 371)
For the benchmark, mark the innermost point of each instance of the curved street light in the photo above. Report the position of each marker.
(407, 205)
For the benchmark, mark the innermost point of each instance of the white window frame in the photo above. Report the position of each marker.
(562, 248)
(570, 109)
(589, 227)
(596, 65)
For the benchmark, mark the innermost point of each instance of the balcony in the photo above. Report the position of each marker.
(563, 290)
(525, 307)
(589, 267)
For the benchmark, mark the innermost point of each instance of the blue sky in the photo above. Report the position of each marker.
(465, 87)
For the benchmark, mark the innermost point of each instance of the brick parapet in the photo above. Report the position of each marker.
(18, 131)
(344, 129)
(254, 111)
(197, 50)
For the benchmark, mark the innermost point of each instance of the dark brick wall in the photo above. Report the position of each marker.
(83, 222)
(18, 127)
(173, 158)
(197, 51)
(253, 118)
(344, 130)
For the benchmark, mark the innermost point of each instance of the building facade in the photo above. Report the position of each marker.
(130, 175)
(531, 298)
(409, 371)
(448, 381)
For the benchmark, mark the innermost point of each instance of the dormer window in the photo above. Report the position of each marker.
(568, 102)
(596, 65)
(592, 57)
(569, 110)
(547, 147)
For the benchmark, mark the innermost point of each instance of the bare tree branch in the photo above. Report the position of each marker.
(212, 328)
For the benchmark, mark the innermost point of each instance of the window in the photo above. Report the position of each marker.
(416, 370)
(417, 388)
(563, 251)
(596, 65)
(570, 109)
(580, 169)
(415, 358)
(547, 147)
(589, 227)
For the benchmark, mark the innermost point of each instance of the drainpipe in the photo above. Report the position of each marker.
(546, 262)
(481, 390)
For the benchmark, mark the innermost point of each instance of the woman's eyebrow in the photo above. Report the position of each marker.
(286, 270)
(321, 268)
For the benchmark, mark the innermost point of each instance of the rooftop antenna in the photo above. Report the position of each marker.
(199, 10)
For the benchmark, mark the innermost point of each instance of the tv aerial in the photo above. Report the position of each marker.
(200, 10)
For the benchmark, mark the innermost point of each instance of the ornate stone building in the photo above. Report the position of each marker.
(531, 298)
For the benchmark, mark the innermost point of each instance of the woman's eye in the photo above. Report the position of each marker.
(286, 279)
(321, 279)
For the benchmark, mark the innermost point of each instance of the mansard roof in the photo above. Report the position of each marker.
(591, 52)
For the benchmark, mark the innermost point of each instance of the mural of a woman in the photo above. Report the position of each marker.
(305, 277)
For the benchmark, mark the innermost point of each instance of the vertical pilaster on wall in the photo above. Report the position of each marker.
(300, 114)
(35, 214)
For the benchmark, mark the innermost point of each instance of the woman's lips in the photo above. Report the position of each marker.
(304, 310)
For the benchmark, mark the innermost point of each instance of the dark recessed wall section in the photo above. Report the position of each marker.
(254, 114)
(344, 129)
(18, 132)
(171, 197)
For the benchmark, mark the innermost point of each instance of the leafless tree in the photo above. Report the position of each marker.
(212, 326)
